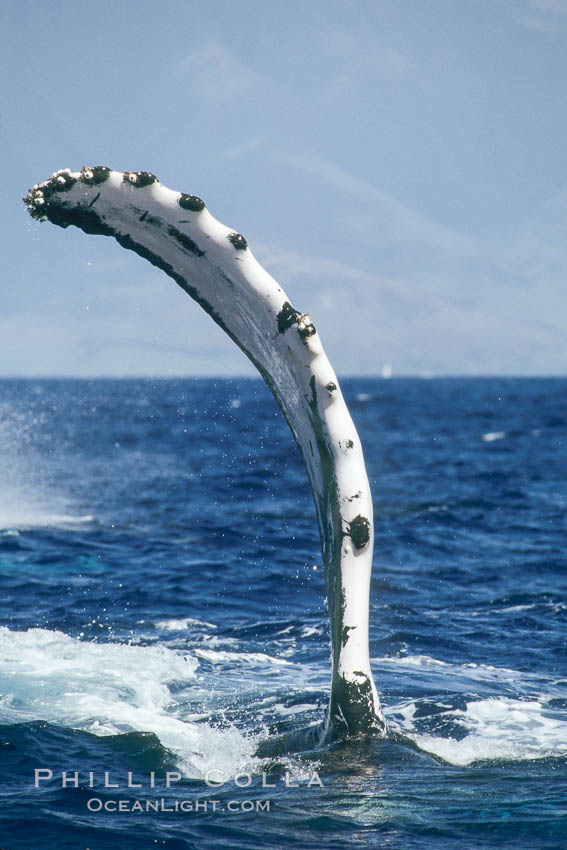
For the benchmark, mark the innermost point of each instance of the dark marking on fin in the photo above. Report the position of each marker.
(191, 202)
(345, 634)
(142, 217)
(352, 707)
(287, 317)
(85, 218)
(185, 241)
(313, 402)
(238, 240)
(95, 199)
(359, 531)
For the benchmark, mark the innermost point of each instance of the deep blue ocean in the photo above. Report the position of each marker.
(162, 612)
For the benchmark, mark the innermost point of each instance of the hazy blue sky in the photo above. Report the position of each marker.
(400, 166)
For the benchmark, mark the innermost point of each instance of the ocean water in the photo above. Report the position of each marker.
(162, 615)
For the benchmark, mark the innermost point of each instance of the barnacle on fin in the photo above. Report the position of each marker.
(190, 202)
(238, 240)
(305, 327)
(95, 175)
(359, 531)
(39, 195)
(61, 181)
(139, 179)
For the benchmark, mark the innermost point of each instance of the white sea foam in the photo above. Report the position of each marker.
(112, 688)
(497, 729)
(500, 727)
(466, 671)
(410, 661)
(309, 631)
(290, 711)
(254, 659)
(182, 624)
(492, 436)
(19, 516)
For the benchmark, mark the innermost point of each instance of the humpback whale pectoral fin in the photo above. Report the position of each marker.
(352, 709)
(351, 713)
(243, 299)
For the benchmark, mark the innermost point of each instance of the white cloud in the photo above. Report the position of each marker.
(544, 16)
(216, 74)
(550, 5)
(405, 224)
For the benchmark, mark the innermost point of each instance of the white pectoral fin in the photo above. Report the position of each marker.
(214, 265)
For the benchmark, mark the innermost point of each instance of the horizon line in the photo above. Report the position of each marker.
(424, 376)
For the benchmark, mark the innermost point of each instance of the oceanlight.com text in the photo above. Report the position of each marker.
(95, 804)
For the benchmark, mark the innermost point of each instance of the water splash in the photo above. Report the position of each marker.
(29, 497)
(97, 688)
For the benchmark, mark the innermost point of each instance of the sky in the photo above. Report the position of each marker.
(399, 166)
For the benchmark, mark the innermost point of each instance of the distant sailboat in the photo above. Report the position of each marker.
(387, 371)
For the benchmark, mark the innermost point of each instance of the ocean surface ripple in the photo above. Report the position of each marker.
(162, 610)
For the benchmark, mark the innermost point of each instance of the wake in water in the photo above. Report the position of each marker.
(96, 687)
